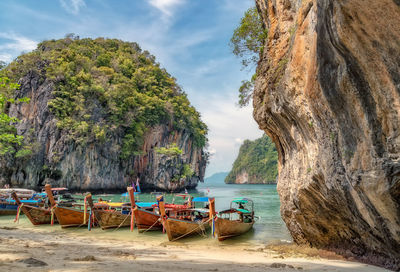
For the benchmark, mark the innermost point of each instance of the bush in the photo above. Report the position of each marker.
(10, 141)
(171, 151)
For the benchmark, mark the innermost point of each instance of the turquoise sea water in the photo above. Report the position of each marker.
(269, 229)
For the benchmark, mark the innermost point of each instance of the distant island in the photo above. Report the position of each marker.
(217, 178)
(255, 164)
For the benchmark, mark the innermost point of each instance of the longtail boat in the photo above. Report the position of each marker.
(185, 222)
(115, 216)
(75, 216)
(145, 216)
(8, 206)
(22, 193)
(37, 215)
(235, 221)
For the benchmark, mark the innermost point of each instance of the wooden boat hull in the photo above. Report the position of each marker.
(112, 219)
(177, 228)
(70, 217)
(225, 228)
(146, 220)
(7, 208)
(5, 211)
(38, 216)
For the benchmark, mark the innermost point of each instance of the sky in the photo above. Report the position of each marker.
(190, 38)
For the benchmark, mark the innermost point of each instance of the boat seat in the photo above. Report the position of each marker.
(243, 210)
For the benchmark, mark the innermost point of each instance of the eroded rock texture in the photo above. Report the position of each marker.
(95, 166)
(328, 94)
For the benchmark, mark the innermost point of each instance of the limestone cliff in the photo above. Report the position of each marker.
(328, 94)
(106, 138)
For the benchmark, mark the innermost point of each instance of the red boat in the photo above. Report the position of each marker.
(187, 222)
(147, 215)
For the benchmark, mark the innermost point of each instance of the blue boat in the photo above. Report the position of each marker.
(8, 206)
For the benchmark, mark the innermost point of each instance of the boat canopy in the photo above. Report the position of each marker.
(17, 190)
(145, 204)
(40, 195)
(200, 199)
(115, 204)
(30, 201)
(59, 189)
(243, 210)
(241, 200)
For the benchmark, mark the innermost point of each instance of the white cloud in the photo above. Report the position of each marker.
(6, 57)
(72, 6)
(13, 44)
(228, 127)
(17, 42)
(238, 140)
(166, 6)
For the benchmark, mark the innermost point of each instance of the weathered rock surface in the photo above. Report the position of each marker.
(96, 166)
(242, 178)
(328, 94)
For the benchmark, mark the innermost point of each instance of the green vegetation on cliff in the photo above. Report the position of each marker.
(173, 152)
(258, 159)
(247, 43)
(104, 87)
(10, 141)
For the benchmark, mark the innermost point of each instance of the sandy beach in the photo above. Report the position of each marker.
(39, 249)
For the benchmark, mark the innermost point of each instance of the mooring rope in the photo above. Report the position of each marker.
(200, 225)
(158, 220)
(84, 220)
(130, 214)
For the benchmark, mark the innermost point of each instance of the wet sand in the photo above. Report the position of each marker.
(44, 249)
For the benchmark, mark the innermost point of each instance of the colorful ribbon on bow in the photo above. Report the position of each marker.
(18, 213)
(52, 214)
(84, 210)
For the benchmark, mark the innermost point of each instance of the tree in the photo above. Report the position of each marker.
(2, 64)
(247, 43)
(9, 139)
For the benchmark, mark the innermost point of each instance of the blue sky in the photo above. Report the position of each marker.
(190, 38)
